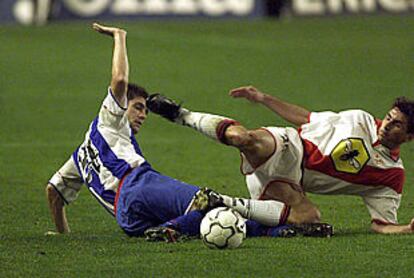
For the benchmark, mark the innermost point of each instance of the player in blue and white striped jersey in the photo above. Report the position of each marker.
(110, 157)
(110, 163)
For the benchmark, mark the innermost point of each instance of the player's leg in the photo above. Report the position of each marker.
(148, 199)
(212, 126)
(266, 212)
(205, 199)
(280, 203)
(302, 210)
(269, 211)
(255, 229)
(302, 216)
(188, 226)
(256, 145)
(178, 229)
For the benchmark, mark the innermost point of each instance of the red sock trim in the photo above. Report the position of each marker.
(284, 215)
(222, 127)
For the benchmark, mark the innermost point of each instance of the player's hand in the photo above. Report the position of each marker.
(107, 30)
(412, 225)
(248, 92)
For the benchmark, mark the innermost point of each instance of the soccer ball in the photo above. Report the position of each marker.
(223, 228)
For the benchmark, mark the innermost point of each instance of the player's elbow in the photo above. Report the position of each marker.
(119, 79)
(49, 190)
(300, 118)
(304, 119)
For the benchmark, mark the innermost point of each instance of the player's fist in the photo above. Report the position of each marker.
(412, 225)
(248, 92)
(107, 30)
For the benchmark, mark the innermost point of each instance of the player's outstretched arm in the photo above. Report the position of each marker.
(120, 66)
(393, 229)
(57, 210)
(292, 113)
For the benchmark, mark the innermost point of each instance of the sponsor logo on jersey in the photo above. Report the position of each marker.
(350, 155)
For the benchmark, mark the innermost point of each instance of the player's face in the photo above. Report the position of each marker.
(137, 113)
(393, 130)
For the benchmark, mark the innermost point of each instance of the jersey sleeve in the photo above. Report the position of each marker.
(383, 209)
(67, 181)
(112, 114)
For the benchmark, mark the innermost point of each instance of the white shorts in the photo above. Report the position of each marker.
(284, 165)
(67, 181)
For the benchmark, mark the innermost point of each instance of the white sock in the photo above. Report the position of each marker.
(266, 212)
(204, 123)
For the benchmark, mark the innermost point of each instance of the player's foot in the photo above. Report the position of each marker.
(287, 232)
(206, 199)
(163, 106)
(314, 229)
(161, 233)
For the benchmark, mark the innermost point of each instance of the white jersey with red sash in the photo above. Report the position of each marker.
(342, 155)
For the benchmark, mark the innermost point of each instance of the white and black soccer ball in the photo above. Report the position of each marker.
(223, 228)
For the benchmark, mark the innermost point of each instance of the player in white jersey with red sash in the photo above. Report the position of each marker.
(349, 153)
(352, 162)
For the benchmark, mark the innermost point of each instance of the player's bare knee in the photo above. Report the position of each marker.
(239, 136)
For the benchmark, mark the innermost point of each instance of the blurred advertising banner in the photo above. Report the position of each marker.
(337, 7)
(21, 10)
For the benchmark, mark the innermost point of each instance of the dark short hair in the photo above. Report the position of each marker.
(136, 91)
(406, 106)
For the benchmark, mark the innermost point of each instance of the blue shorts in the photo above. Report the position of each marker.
(148, 199)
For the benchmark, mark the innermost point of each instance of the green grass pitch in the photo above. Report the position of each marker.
(53, 79)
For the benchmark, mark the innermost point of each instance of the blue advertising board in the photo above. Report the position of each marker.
(17, 10)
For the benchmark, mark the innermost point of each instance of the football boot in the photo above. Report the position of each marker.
(163, 106)
(314, 229)
(165, 234)
(207, 199)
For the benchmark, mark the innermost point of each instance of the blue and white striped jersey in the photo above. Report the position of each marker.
(108, 152)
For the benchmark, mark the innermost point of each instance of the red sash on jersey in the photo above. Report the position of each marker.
(315, 160)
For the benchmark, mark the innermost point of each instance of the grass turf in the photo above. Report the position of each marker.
(53, 79)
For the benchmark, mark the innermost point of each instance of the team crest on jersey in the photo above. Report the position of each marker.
(350, 155)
